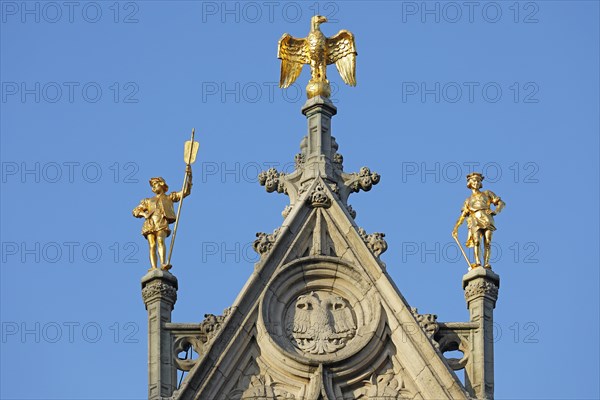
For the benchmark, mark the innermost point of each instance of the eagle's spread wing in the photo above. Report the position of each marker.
(293, 55)
(341, 50)
(342, 316)
(301, 323)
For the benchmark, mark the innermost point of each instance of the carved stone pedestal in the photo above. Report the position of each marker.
(481, 292)
(319, 143)
(159, 292)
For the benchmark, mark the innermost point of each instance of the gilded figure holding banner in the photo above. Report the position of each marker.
(160, 212)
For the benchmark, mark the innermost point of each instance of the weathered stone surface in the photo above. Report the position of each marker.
(481, 292)
(159, 292)
(312, 323)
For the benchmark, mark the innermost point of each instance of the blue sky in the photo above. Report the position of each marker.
(97, 97)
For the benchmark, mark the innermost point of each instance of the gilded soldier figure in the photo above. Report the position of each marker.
(159, 213)
(480, 219)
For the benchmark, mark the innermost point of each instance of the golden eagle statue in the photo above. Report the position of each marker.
(318, 51)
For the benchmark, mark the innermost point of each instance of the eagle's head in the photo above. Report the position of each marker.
(315, 21)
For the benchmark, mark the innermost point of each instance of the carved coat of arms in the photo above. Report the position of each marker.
(321, 323)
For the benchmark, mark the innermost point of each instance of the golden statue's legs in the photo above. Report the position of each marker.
(323, 72)
(157, 240)
(162, 248)
(318, 84)
(477, 252)
(317, 70)
(152, 244)
(487, 244)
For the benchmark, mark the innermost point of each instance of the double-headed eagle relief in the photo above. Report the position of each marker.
(321, 323)
(318, 51)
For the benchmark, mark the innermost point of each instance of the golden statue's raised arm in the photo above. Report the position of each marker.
(187, 187)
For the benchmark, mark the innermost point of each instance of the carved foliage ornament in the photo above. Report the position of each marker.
(159, 289)
(351, 211)
(262, 387)
(321, 323)
(319, 198)
(286, 211)
(299, 160)
(272, 180)
(304, 187)
(374, 241)
(429, 324)
(386, 386)
(338, 160)
(212, 323)
(264, 242)
(364, 180)
(481, 288)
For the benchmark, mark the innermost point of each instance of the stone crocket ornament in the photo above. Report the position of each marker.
(480, 220)
(318, 51)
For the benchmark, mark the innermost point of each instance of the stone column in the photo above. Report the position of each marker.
(481, 292)
(318, 111)
(159, 291)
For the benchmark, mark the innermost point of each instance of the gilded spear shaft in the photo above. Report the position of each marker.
(190, 150)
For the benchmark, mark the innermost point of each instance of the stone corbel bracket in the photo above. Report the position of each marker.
(197, 337)
(453, 336)
(448, 336)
